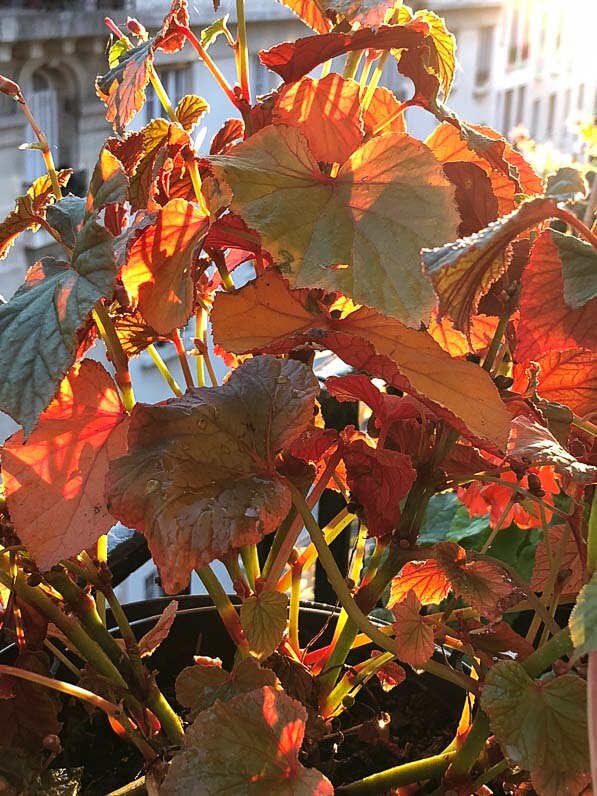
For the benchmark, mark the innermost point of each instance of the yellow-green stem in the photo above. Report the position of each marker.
(164, 370)
(227, 612)
(182, 358)
(200, 324)
(243, 51)
(295, 602)
(45, 149)
(116, 352)
(374, 82)
(250, 559)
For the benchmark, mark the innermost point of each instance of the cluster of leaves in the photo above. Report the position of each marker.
(432, 272)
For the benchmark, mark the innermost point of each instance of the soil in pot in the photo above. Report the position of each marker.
(423, 712)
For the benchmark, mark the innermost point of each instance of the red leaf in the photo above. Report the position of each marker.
(413, 634)
(157, 274)
(546, 322)
(55, 481)
(378, 479)
(328, 113)
(390, 675)
(477, 204)
(483, 584)
(423, 578)
(231, 131)
(149, 643)
(293, 60)
(570, 378)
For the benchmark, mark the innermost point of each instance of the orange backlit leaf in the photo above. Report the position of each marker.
(248, 744)
(482, 584)
(122, 88)
(476, 202)
(189, 110)
(361, 231)
(157, 274)
(293, 60)
(412, 632)
(410, 360)
(382, 106)
(424, 578)
(134, 334)
(449, 146)
(200, 477)
(55, 481)
(546, 321)
(570, 575)
(390, 674)
(231, 131)
(378, 479)
(29, 209)
(311, 12)
(569, 377)
(327, 112)
(482, 330)
(462, 272)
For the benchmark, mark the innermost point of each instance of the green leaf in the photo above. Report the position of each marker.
(583, 621)
(116, 51)
(263, 618)
(39, 326)
(541, 726)
(199, 686)
(248, 745)
(446, 519)
(579, 269)
(211, 33)
(200, 478)
(566, 185)
(66, 217)
(360, 232)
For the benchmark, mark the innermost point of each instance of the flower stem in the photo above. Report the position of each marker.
(243, 51)
(405, 774)
(44, 148)
(227, 612)
(250, 560)
(117, 355)
(182, 358)
(211, 65)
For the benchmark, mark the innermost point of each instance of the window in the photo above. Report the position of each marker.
(264, 81)
(484, 55)
(567, 103)
(580, 101)
(535, 118)
(176, 82)
(507, 116)
(551, 115)
(43, 102)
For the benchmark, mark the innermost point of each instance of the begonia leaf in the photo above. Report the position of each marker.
(442, 59)
(409, 360)
(151, 640)
(449, 145)
(583, 621)
(263, 618)
(66, 217)
(43, 319)
(311, 12)
(532, 444)
(424, 578)
(327, 112)
(566, 185)
(54, 481)
(122, 88)
(199, 686)
(546, 321)
(190, 109)
(476, 202)
(379, 479)
(157, 273)
(483, 584)
(390, 674)
(109, 183)
(249, 744)
(200, 478)
(231, 131)
(570, 575)
(412, 632)
(293, 60)
(579, 269)
(135, 334)
(541, 726)
(569, 377)
(462, 272)
(361, 231)
(382, 106)
(481, 332)
(29, 209)
(160, 141)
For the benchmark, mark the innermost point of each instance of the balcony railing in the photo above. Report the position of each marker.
(67, 5)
